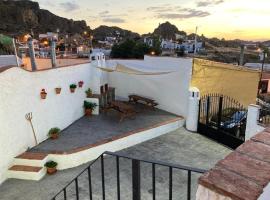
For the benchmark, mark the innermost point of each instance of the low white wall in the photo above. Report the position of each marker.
(171, 90)
(252, 126)
(20, 94)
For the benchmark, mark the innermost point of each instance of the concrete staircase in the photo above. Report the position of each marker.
(28, 166)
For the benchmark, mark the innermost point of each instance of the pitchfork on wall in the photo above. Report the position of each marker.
(29, 117)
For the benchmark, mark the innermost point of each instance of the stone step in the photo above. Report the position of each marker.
(31, 159)
(26, 172)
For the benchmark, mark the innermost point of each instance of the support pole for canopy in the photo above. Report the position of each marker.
(53, 53)
(15, 52)
(32, 54)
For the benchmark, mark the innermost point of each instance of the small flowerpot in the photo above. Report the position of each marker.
(72, 90)
(43, 95)
(88, 112)
(58, 90)
(80, 84)
(54, 136)
(52, 170)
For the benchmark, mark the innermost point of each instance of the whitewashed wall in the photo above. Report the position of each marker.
(171, 91)
(252, 126)
(20, 94)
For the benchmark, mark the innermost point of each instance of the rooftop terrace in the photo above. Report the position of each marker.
(179, 147)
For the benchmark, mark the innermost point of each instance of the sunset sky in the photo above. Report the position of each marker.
(230, 19)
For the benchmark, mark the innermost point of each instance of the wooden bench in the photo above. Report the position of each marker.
(124, 109)
(149, 102)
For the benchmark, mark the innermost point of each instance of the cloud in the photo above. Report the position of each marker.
(114, 20)
(204, 3)
(176, 12)
(105, 12)
(189, 14)
(106, 16)
(69, 6)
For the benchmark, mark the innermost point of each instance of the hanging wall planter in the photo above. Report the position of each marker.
(58, 90)
(43, 94)
(80, 83)
(88, 93)
(72, 88)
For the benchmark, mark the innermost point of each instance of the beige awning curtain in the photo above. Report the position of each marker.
(127, 70)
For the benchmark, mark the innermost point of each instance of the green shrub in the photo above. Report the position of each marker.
(53, 131)
(50, 164)
(73, 86)
(89, 105)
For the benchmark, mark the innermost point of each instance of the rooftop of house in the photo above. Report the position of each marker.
(244, 173)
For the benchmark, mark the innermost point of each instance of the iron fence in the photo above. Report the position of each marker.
(136, 178)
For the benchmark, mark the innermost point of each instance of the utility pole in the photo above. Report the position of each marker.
(241, 60)
(195, 44)
(263, 55)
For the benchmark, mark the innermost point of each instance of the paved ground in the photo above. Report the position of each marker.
(89, 130)
(179, 147)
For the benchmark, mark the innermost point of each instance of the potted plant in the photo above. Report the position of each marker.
(80, 83)
(89, 107)
(88, 93)
(54, 133)
(58, 90)
(51, 167)
(43, 94)
(72, 88)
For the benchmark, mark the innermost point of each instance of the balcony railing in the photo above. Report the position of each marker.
(136, 177)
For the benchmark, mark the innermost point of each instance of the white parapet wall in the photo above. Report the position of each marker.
(20, 94)
(171, 90)
(252, 127)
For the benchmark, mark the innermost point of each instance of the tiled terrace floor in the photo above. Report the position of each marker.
(89, 131)
(179, 147)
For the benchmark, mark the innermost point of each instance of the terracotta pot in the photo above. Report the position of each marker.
(72, 90)
(58, 90)
(88, 112)
(43, 95)
(54, 136)
(89, 95)
(80, 84)
(51, 170)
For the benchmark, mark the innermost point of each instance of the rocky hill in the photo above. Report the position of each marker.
(18, 17)
(167, 30)
(112, 31)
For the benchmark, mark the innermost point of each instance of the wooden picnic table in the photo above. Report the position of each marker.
(147, 101)
(123, 108)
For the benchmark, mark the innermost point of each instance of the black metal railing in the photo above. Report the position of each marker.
(135, 176)
(264, 116)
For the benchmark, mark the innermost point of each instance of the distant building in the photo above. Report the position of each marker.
(187, 45)
(258, 66)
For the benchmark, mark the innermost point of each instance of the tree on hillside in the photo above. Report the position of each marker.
(132, 49)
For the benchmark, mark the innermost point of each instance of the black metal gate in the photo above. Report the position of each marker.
(222, 119)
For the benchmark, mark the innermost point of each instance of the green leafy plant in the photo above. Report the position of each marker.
(73, 86)
(88, 92)
(50, 164)
(89, 105)
(54, 130)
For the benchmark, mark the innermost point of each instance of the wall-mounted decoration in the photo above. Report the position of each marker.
(43, 94)
(58, 90)
(80, 83)
(72, 88)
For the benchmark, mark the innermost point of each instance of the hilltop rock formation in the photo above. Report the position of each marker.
(112, 31)
(167, 31)
(18, 17)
